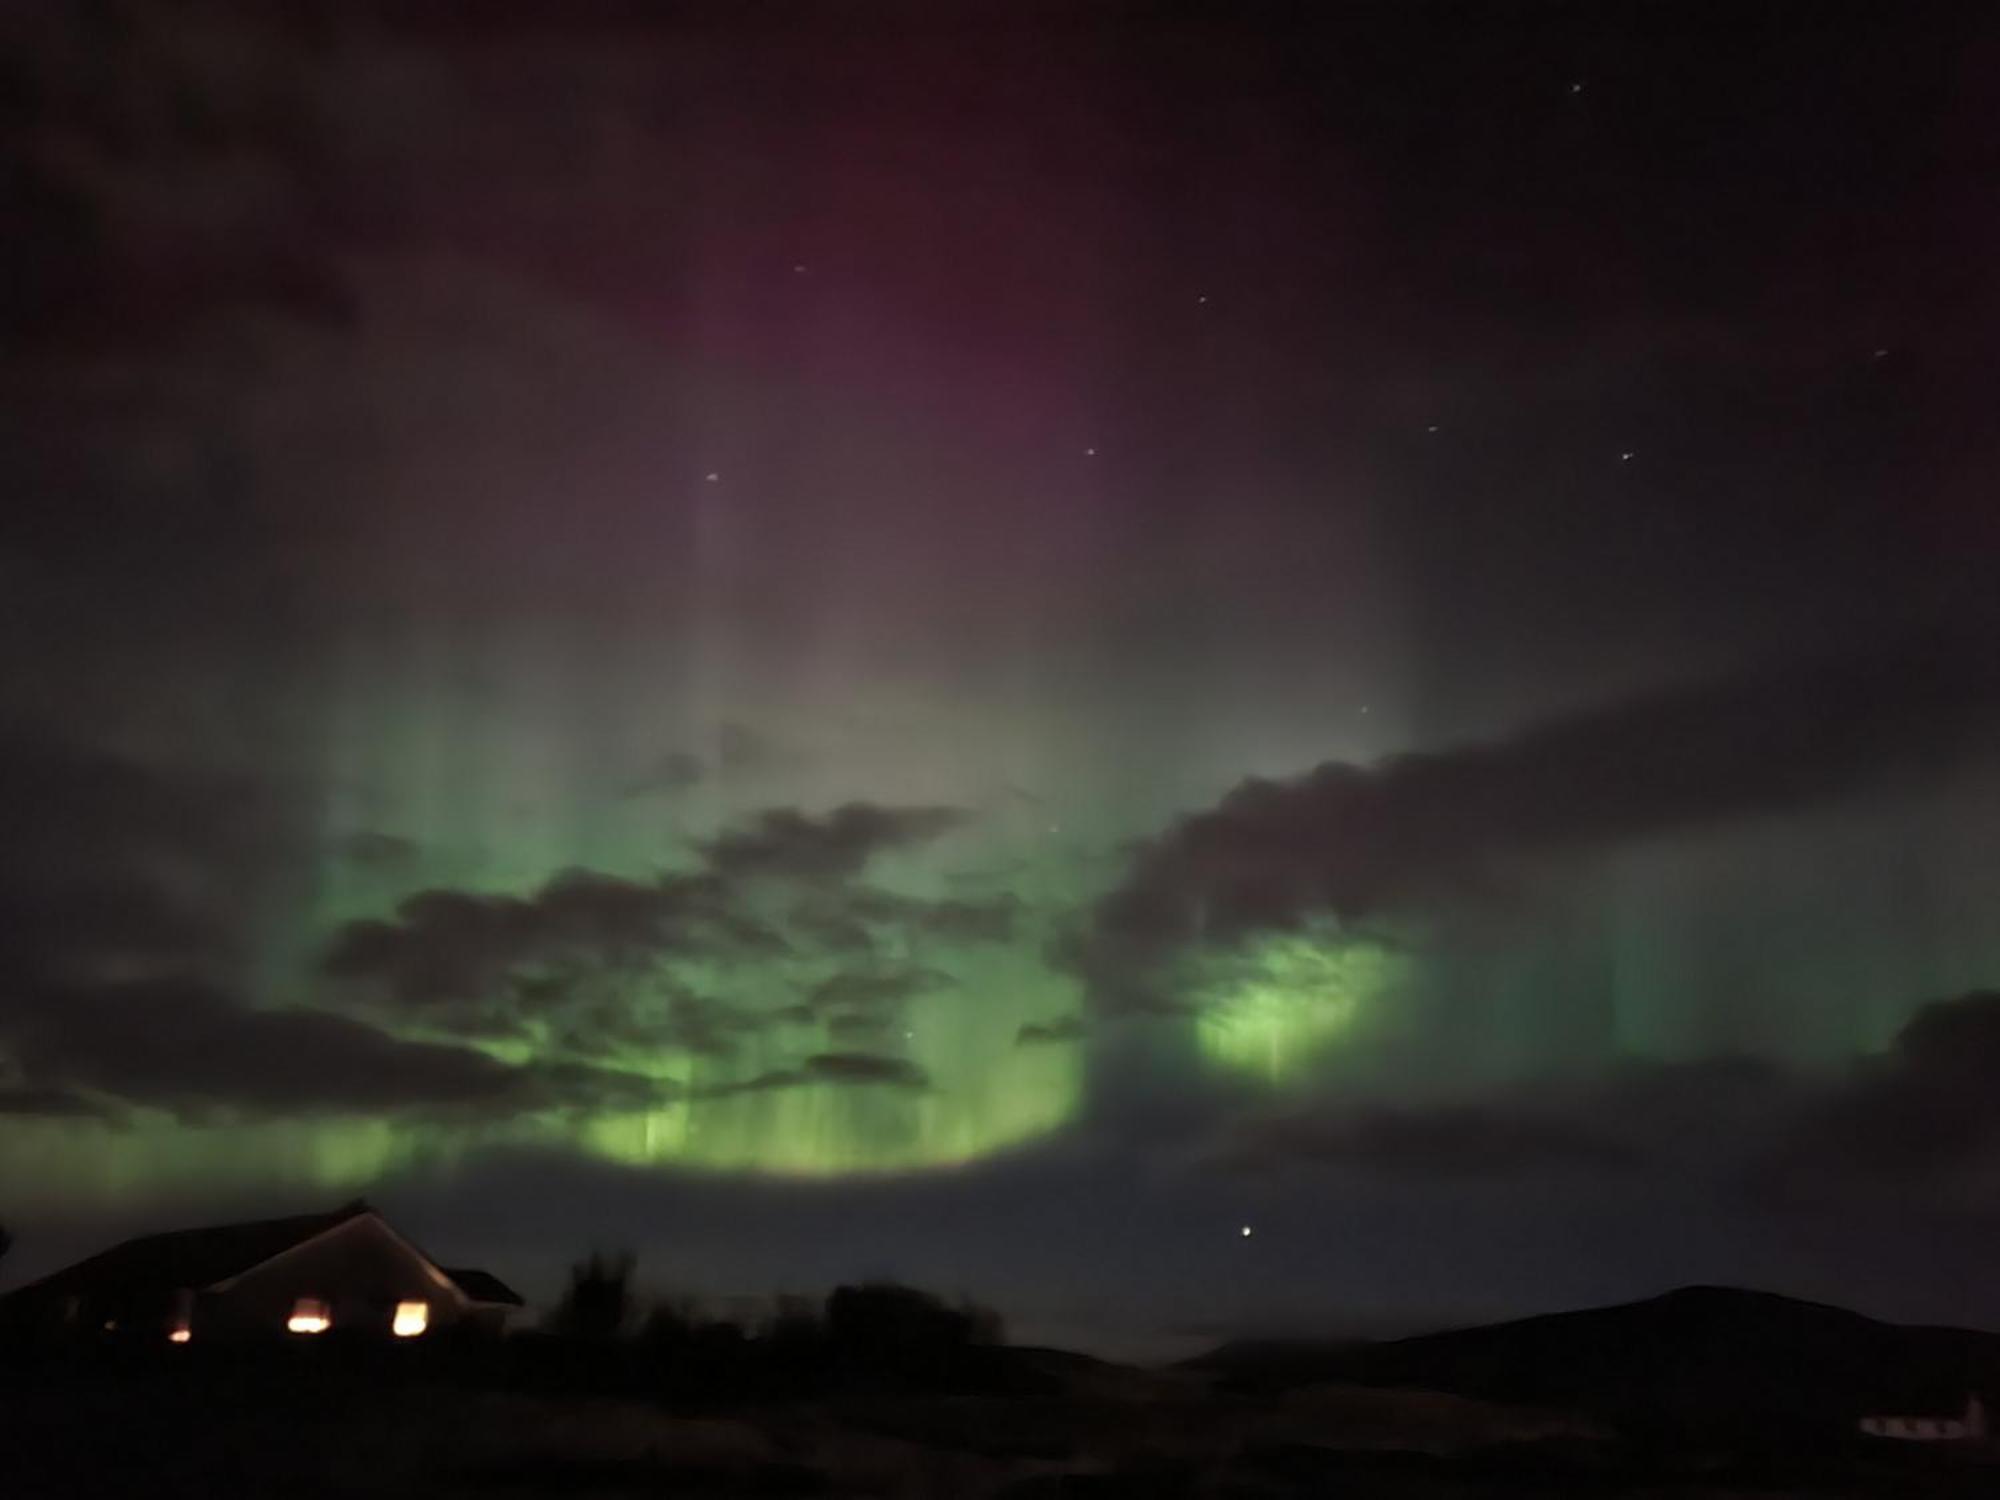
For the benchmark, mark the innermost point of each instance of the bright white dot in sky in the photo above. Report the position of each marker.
(1090, 453)
(1576, 88)
(1246, 1231)
(1432, 428)
(711, 478)
(1625, 457)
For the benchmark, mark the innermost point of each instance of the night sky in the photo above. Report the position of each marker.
(997, 643)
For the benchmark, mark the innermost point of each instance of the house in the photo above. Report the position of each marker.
(1969, 1427)
(347, 1270)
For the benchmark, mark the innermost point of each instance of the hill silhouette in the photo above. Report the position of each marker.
(1702, 1354)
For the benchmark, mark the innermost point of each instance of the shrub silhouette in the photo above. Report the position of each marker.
(597, 1304)
(885, 1329)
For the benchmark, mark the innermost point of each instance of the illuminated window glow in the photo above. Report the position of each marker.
(180, 1335)
(310, 1315)
(412, 1318)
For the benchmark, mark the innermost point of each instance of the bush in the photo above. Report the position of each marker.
(597, 1304)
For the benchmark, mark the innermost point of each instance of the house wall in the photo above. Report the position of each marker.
(360, 1269)
(1917, 1429)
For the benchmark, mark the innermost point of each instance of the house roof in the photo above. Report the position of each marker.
(156, 1265)
(483, 1286)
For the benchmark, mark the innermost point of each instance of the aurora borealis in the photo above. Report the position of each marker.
(990, 647)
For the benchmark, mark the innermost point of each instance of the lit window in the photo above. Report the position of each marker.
(180, 1335)
(412, 1318)
(310, 1315)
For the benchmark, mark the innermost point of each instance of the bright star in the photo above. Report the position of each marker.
(1246, 1231)
(711, 478)
(1626, 457)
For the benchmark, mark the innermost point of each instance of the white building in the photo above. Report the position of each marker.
(1968, 1427)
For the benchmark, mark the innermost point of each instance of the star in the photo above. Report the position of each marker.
(798, 270)
(1432, 428)
(1090, 453)
(1246, 1231)
(1576, 88)
(1201, 299)
(1881, 353)
(712, 478)
(1627, 456)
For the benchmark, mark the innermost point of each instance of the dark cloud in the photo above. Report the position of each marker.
(1711, 1119)
(1921, 1112)
(865, 1067)
(448, 948)
(182, 176)
(75, 931)
(851, 1028)
(676, 771)
(960, 921)
(1063, 1029)
(853, 1068)
(33, 1101)
(376, 850)
(189, 1047)
(851, 919)
(830, 923)
(874, 991)
(743, 751)
(1454, 1141)
(787, 844)
(1359, 841)
(77, 812)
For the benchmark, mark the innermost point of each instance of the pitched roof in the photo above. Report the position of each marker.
(483, 1286)
(159, 1264)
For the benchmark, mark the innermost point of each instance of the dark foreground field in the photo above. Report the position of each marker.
(382, 1425)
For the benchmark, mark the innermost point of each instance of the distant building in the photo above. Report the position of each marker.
(347, 1270)
(1967, 1427)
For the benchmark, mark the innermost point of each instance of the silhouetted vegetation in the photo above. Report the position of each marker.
(597, 1304)
(877, 1336)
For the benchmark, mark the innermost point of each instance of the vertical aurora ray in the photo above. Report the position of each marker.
(1274, 1005)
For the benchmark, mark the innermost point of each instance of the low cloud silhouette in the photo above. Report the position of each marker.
(1919, 1121)
(676, 771)
(375, 850)
(1357, 842)
(1925, 1109)
(785, 843)
(1463, 1140)
(856, 1068)
(191, 1048)
(1063, 1029)
(449, 950)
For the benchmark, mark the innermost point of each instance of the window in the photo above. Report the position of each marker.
(310, 1315)
(412, 1318)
